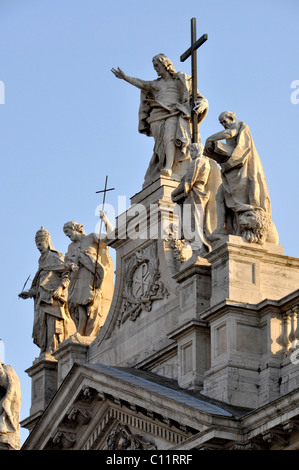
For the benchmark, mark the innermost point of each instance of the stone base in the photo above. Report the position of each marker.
(72, 350)
(289, 377)
(232, 384)
(248, 273)
(250, 360)
(43, 373)
(194, 279)
(193, 353)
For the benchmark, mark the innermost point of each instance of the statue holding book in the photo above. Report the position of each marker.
(243, 204)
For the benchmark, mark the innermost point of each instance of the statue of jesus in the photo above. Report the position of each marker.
(165, 114)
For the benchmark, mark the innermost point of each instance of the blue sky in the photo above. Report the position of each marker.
(67, 122)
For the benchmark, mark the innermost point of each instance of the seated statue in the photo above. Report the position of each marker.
(243, 202)
(52, 323)
(196, 192)
(91, 279)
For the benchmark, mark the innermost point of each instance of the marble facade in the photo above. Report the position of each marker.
(197, 347)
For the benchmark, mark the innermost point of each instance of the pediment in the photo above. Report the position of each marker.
(100, 407)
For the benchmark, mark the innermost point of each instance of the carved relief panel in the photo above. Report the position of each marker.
(142, 284)
(121, 438)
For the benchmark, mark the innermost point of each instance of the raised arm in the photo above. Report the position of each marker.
(108, 225)
(225, 134)
(137, 82)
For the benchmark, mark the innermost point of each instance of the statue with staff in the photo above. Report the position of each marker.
(91, 285)
(201, 180)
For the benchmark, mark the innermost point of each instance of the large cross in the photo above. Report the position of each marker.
(99, 240)
(195, 44)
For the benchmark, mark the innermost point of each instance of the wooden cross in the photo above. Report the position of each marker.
(99, 240)
(195, 44)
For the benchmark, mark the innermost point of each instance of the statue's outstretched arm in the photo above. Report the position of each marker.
(137, 82)
(225, 134)
(108, 225)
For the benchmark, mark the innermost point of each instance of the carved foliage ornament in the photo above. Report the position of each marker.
(142, 283)
(177, 246)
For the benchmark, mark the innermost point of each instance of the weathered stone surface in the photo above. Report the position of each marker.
(49, 289)
(199, 349)
(248, 273)
(90, 279)
(243, 203)
(196, 194)
(10, 404)
(43, 373)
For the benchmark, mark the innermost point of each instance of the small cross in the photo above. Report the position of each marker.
(195, 44)
(105, 190)
(104, 198)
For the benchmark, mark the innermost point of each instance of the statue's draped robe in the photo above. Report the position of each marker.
(48, 278)
(81, 292)
(10, 403)
(198, 188)
(153, 117)
(244, 183)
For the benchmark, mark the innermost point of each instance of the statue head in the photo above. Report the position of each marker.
(43, 240)
(227, 119)
(73, 230)
(160, 60)
(196, 150)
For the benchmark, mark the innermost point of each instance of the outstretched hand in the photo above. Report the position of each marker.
(118, 73)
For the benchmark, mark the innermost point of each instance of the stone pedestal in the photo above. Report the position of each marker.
(235, 356)
(192, 335)
(72, 350)
(248, 273)
(193, 343)
(194, 280)
(246, 321)
(43, 373)
(248, 346)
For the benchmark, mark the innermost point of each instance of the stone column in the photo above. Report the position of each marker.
(43, 374)
(193, 335)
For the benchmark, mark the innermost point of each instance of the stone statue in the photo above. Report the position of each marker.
(49, 289)
(91, 279)
(197, 191)
(165, 114)
(244, 207)
(10, 404)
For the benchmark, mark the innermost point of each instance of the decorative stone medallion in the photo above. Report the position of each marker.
(142, 283)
